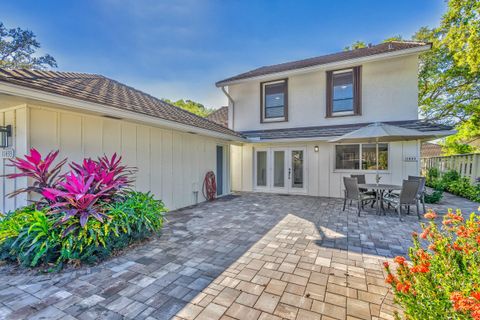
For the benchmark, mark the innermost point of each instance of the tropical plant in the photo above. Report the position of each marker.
(75, 198)
(42, 171)
(442, 281)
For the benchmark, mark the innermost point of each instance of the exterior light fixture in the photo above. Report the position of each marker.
(315, 148)
(5, 133)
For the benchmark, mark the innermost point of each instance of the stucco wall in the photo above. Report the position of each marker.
(389, 93)
(321, 177)
(171, 164)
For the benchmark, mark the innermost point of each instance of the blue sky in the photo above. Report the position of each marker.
(179, 49)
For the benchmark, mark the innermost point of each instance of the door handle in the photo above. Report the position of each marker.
(289, 173)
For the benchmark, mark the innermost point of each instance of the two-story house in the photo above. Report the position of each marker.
(290, 112)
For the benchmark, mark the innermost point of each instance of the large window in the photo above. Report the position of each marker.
(361, 156)
(343, 92)
(274, 101)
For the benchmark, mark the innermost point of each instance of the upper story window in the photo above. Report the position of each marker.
(274, 98)
(343, 92)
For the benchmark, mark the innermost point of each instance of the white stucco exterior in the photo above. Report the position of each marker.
(389, 93)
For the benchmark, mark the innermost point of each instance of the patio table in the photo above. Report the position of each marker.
(379, 189)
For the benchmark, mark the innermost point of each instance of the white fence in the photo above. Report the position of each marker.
(467, 165)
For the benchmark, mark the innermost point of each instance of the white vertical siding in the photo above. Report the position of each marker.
(17, 117)
(170, 163)
(321, 177)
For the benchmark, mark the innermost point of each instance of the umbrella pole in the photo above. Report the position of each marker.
(377, 178)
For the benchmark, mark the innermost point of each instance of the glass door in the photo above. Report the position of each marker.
(296, 171)
(279, 170)
(261, 169)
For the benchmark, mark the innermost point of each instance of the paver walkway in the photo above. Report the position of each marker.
(250, 256)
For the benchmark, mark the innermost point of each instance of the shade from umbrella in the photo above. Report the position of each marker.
(382, 132)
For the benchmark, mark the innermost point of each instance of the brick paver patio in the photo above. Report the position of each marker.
(250, 256)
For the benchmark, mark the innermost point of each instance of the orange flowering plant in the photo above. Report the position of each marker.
(442, 281)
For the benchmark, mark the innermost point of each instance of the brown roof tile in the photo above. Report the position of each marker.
(99, 89)
(219, 116)
(429, 149)
(334, 57)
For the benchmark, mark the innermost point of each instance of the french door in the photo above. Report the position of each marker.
(280, 170)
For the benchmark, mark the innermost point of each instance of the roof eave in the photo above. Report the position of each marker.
(29, 93)
(381, 56)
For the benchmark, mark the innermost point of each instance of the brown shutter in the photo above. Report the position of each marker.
(329, 94)
(357, 92)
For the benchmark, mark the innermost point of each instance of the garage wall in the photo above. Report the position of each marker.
(321, 177)
(171, 164)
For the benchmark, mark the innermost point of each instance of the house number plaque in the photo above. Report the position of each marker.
(7, 153)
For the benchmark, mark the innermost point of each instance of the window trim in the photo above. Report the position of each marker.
(361, 158)
(357, 93)
(264, 119)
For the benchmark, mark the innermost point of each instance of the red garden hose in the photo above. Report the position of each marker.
(209, 189)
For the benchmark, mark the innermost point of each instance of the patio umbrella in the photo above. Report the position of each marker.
(382, 132)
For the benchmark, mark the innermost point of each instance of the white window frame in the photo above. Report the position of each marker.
(361, 155)
(264, 102)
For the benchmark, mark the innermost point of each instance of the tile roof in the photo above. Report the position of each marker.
(334, 57)
(102, 90)
(219, 116)
(429, 149)
(336, 130)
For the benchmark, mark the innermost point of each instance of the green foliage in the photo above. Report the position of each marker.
(191, 106)
(34, 238)
(452, 182)
(356, 45)
(462, 32)
(467, 132)
(434, 197)
(443, 279)
(17, 50)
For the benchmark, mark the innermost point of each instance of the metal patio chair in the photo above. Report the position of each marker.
(407, 197)
(421, 190)
(361, 180)
(353, 193)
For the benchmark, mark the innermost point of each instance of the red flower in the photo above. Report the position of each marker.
(403, 287)
(426, 232)
(386, 265)
(476, 295)
(400, 260)
(430, 215)
(390, 279)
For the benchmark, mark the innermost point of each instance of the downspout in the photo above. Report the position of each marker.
(230, 99)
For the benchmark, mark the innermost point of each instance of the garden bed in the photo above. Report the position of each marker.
(81, 217)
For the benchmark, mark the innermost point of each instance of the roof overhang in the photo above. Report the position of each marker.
(104, 110)
(332, 65)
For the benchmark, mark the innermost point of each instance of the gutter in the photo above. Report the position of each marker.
(64, 102)
(230, 99)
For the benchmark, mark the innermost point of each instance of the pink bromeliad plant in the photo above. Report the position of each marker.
(40, 170)
(78, 193)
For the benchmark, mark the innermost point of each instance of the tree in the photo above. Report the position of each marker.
(356, 45)
(18, 48)
(191, 106)
(461, 26)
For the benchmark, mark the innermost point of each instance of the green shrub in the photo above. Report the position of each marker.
(442, 281)
(452, 182)
(434, 197)
(32, 238)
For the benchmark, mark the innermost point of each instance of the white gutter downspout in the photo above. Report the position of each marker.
(230, 99)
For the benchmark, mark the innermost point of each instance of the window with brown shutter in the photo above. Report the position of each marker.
(344, 92)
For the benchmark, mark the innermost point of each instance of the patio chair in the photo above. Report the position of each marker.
(421, 190)
(407, 197)
(361, 180)
(352, 192)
